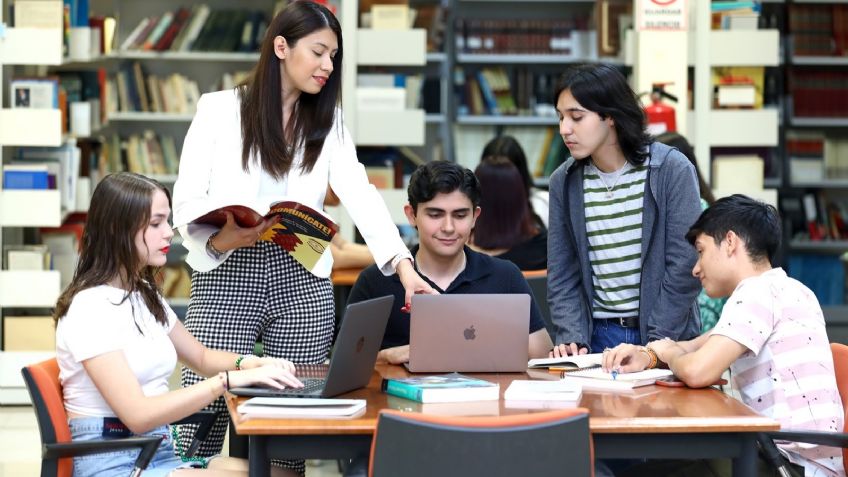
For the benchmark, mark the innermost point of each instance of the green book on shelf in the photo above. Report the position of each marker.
(452, 387)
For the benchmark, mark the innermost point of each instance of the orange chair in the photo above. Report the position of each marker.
(832, 439)
(57, 448)
(544, 443)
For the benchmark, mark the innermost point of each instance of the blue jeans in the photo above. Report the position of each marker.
(120, 463)
(609, 334)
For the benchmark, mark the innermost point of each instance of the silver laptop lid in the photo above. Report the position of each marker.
(469, 333)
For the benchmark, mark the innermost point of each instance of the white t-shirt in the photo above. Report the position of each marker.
(787, 372)
(98, 322)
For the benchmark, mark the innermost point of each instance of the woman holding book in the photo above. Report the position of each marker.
(278, 135)
(117, 340)
(619, 266)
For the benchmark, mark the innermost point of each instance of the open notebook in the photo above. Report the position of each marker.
(578, 361)
(597, 379)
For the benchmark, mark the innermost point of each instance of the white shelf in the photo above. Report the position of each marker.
(12, 387)
(391, 47)
(132, 116)
(741, 48)
(163, 178)
(822, 246)
(31, 46)
(30, 127)
(741, 127)
(231, 56)
(819, 122)
(30, 208)
(436, 57)
(29, 289)
(820, 60)
(397, 128)
(491, 120)
(823, 184)
(496, 58)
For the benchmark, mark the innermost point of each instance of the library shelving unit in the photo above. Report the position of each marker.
(803, 121)
(21, 209)
(708, 127)
(473, 130)
(390, 51)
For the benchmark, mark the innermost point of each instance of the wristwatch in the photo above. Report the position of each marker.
(211, 250)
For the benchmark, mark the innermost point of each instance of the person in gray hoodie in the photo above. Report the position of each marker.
(618, 261)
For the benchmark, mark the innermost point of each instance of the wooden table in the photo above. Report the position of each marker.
(652, 422)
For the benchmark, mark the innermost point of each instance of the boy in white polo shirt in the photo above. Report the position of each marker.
(771, 333)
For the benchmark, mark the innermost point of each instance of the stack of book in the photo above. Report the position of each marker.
(735, 15)
(523, 394)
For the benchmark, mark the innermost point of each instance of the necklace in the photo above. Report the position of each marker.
(610, 187)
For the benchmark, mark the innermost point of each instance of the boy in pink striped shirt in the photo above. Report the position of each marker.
(771, 333)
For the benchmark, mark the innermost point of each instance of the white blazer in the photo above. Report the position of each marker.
(211, 173)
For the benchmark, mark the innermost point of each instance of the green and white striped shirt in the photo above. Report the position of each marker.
(614, 203)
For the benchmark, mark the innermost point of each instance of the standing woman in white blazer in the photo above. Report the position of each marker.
(279, 135)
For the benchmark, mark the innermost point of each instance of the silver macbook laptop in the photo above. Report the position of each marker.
(353, 357)
(469, 333)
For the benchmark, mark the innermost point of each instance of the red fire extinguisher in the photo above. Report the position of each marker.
(660, 115)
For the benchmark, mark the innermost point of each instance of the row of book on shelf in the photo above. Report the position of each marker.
(88, 99)
(818, 93)
(816, 156)
(198, 29)
(570, 37)
(521, 91)
(819, 29)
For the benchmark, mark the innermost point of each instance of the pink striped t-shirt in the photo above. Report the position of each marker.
(787, 371)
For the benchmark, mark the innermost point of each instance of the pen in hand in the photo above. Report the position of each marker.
(614, 374)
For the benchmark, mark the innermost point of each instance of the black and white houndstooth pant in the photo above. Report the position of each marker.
(258, 293)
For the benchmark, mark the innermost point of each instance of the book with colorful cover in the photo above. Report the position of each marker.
(453, 387)
(302, 231)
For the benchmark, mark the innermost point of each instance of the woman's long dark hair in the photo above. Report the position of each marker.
(602, 89)
(674, 139)
(505, 219)
(262, 96)
(120, 208)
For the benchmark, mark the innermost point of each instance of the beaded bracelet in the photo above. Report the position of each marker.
(652, 356)
(238, 362)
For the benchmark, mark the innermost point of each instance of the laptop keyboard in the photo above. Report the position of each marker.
(310, 386)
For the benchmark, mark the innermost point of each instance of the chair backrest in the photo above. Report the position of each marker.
(840, 367)
(544, 443)
(538, 281)
(45, 390)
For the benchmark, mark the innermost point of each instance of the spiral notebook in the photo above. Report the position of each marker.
(597, 379)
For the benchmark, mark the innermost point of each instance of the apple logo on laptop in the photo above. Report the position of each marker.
(360, 344)
(469, 333)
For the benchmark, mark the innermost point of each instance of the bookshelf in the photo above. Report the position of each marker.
(25, 290)
(816, 126)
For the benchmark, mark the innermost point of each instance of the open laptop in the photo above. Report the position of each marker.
(353, 357)
(469, 333)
